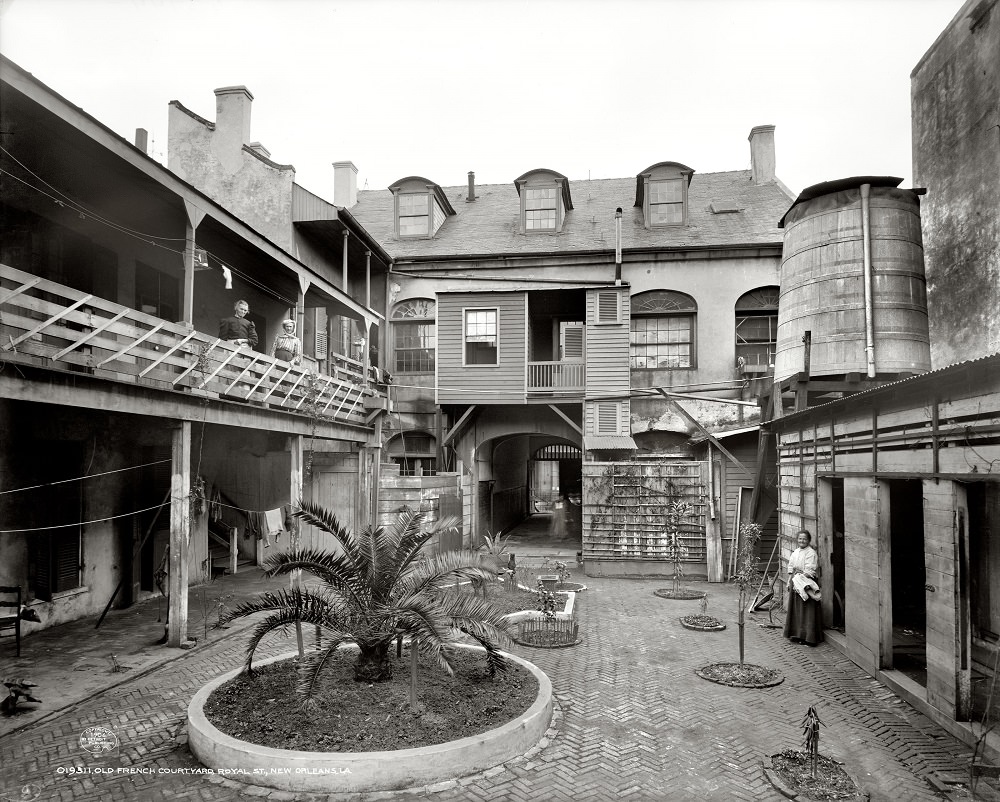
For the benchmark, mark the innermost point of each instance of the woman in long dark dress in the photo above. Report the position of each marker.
(804, 619)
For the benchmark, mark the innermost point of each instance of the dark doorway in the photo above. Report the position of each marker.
(839, 614)
(909, 607)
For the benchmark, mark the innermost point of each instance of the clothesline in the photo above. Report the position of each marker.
(81, 478)
(127, 514)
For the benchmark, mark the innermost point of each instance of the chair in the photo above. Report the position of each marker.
(11, 621)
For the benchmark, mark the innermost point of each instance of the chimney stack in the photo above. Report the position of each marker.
(345, 184)
(232, 113)
(472, 187)
(762, 154)
(142, 140)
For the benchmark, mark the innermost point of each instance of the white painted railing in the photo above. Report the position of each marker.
(558, 377)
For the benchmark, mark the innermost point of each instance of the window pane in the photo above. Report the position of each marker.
(412, 204)
(662, 342)
(666, 191)
(413, 225)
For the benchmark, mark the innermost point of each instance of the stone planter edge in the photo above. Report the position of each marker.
(355, 772)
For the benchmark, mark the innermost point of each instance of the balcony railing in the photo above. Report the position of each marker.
(556, 377)
(52, 325)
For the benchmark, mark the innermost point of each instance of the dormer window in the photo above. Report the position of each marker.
(662, 193)
(666, 202)
(420, 206)
(545, 199)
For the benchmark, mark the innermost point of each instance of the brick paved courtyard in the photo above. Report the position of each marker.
(633, 721)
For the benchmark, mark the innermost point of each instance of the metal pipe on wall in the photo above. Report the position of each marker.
(866, 233)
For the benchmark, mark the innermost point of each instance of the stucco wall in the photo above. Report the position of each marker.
(257, 191)
(956, 156)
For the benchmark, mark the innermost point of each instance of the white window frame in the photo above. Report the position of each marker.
(428, 215)
(465, 318)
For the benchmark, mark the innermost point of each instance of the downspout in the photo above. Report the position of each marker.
(618, 246)
(869, 310)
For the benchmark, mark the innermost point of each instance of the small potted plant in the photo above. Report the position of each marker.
(702, 621)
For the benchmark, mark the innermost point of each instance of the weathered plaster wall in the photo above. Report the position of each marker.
(212, 159)
(107, 445)
(956, 155)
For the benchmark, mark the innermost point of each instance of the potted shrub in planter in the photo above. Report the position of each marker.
(376, 586)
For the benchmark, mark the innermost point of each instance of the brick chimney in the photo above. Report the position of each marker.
(762, 153)
(472, 187)
(345, 184)
(232, 113)
(142, 140)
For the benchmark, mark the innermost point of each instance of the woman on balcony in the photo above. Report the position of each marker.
(286, 345)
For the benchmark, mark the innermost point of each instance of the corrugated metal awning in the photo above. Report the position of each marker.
(607, 442)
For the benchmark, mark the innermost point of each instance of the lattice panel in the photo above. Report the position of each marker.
(626, 510)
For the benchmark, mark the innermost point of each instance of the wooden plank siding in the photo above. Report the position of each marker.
(863, 572)
(940, 563)
(607, 347)
(479, 384)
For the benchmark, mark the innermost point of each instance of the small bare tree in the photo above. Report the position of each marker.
(746, 575)
(676, 550)
(810, 731)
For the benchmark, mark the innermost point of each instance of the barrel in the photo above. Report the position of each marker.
(823, 283)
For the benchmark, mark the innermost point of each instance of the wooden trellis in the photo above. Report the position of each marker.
(625, 509)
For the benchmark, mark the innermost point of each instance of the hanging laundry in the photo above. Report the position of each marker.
(274, 522)
(227, 274)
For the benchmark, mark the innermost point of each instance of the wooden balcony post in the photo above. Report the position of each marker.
(177, 577)
(344, 263)
(194, 217)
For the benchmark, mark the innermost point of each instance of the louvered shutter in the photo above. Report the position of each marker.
(607, 307)
(606, 413)
(322, 338)
(573, 342)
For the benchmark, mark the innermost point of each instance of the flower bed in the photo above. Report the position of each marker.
(357, 772)
(702, 623)
(741, 675)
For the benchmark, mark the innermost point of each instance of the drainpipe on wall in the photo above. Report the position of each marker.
(618, 246)
(869, 310)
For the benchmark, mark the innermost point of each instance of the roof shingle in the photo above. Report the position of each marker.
(489, 226)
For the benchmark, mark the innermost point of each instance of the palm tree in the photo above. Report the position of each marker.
(376, 587)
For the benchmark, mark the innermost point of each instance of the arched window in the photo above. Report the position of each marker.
(757, 329)
(413, 336)
(414, 452)
(663, 329)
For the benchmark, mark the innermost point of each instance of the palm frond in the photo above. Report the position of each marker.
(311, 668)
(332, 568)
(447, 567)
(327, 521)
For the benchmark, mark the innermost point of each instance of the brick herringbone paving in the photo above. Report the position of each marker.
(633, 721)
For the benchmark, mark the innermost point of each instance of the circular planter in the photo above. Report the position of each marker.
(844, 783)
(735, 675)
(356, 772)
(704, 626)
(682, 594)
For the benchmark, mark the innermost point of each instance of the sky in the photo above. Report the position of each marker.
(437, 88)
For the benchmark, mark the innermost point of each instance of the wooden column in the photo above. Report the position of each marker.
(368, 279)
(180, 484)
(369, 461)
(194, 217)
(344, 263)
